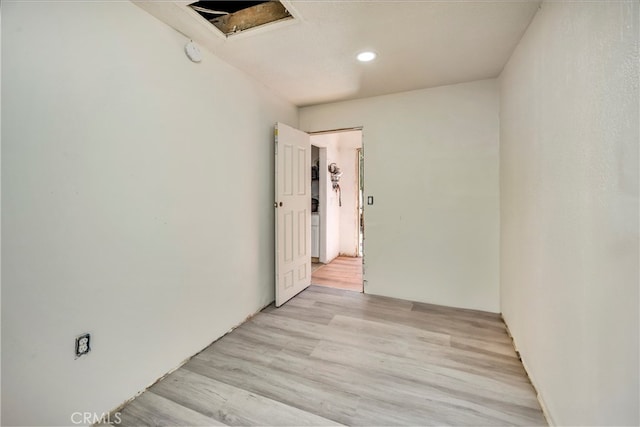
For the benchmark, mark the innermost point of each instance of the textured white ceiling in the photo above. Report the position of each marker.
(420, 44)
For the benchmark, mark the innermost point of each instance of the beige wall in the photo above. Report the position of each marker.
(431, 162)
(136, 204)
(569, 189)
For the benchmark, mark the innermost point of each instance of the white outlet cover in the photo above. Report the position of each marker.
(83, 345)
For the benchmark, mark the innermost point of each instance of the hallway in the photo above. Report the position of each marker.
(342, 273)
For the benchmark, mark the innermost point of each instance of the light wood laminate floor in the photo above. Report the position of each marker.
(342, 273)
(331, 357)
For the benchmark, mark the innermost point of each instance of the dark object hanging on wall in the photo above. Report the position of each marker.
(314, 205)
(336, 173)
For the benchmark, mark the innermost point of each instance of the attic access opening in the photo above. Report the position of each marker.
(232, 17)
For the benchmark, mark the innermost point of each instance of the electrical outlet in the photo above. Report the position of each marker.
(83, 345)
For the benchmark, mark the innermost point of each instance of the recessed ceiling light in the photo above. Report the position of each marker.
(366, 56)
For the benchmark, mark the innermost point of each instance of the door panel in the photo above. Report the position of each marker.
(293, 212)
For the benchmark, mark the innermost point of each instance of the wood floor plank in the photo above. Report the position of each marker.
(149, 409)
(231, 405)
(520, 394)
(437, 323)
(407, 394)
(482, 346)
(302, 313)
(433, 347)
(295, 390)
(342, 272)
(395, 332)
(332, 356)
(456, 312)
(258, 332)
(341, 297)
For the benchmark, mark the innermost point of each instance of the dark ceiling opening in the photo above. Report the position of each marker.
(223, 6)
(231, 17)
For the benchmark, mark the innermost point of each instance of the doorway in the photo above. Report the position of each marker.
(337, 182)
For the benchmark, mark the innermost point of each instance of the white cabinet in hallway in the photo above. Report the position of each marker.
(315, 234)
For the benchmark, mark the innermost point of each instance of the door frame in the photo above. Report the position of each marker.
(360, 198)
(360, 169)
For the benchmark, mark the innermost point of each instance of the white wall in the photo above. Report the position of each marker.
(569, 188)
(431, 163)
(348, 144)
(136, 204)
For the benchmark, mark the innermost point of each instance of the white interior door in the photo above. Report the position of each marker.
(293, 212)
